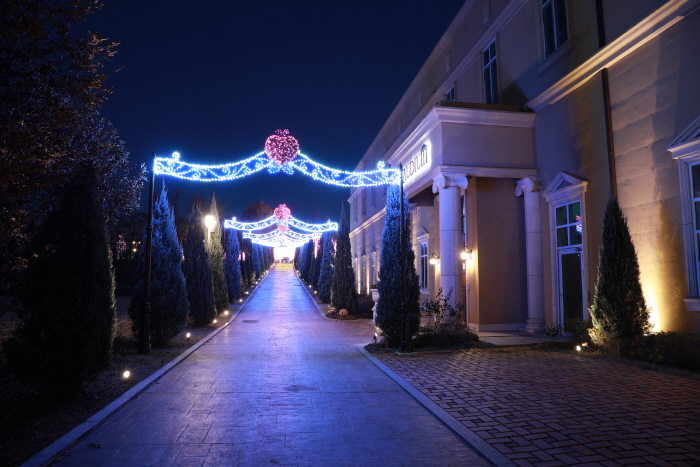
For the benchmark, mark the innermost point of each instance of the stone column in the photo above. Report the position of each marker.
(529, 189)
(449, 187)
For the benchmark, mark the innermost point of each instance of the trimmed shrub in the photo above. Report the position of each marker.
(680, 350)
(343, 293)
(232, 267)
(619, 312)
(216, 254)
(325, 278)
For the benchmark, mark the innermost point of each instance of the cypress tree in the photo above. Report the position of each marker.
(247, 275)
(343, 293)
(256, 260)
(169, 304)
(619, 312)
(68, 319)
(318, 251)
(308, 261)
(216, 253)
(232, 267)
(325, 278)
(390, 280)
(197, 270)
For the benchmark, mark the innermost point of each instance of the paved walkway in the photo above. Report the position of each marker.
(551, 409)
(279, 386)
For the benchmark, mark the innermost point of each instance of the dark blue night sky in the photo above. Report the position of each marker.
(212, 79)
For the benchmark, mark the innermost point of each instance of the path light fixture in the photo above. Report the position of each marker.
(126, 374)
(435, 260)
(188, 336)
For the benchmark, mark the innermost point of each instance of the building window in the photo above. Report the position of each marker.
(554, 25)
(363, 282)
(490, 74)
(450, 95)
(354, 208)
(424, 265)
(372, 269)
(569, 229)
(695, 206)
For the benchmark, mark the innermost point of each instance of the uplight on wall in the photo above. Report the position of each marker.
(466, 254)
(435, 260)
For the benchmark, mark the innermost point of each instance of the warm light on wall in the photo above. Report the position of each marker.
(435, 260)
(466, 254)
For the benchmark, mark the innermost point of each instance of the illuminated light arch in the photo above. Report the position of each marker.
(277, 238)
(281, 217)
(281, 154)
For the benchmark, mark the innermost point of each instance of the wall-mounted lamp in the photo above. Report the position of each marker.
(466, 254)
(435, 259)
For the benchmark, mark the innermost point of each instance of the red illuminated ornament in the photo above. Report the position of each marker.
(281, 147)
(282, 212)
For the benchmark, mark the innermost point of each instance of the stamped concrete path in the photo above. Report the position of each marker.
(280, 386)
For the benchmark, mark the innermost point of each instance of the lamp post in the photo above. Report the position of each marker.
(145, 337)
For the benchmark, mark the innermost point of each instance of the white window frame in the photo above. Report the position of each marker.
(685, 148)
(450, 94)
(490, 62)
(566, 189)
(423, 238)
(555, 6)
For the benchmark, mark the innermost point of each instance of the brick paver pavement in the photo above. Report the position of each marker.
(551, 409)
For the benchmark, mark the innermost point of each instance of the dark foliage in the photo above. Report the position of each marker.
(256, 259)
(390, 280)
(169, 304)
(197, 269)
(619, 311)
(318, 251)
(364, 306)
(445, 327)
(343, 293)
(325, 279)
(216, 254)
(69, 317)
(232, 266)
(52, 86)
(257, 211)
(680, 350)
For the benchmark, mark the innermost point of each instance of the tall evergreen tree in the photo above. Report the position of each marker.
(216, 253)
(325, 279)
(390, 279)
(308, 261)
(619, 311)
(256, 261)
(232, 267)
(68, 317)
(318, 258)
(343, 293)
(169, 304)
(245, 265)
(197, 269)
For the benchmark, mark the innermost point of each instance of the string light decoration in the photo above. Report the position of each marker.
(283, 155)
(282, 212)
(282, 216)
(281, 147)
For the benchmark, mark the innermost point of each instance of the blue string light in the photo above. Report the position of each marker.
(174, 167)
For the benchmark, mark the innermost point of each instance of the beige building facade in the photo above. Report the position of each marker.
(527, 116)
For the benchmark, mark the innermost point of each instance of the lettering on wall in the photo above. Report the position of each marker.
(416, 163)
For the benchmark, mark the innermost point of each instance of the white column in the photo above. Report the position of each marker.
(449, 214)
(529, 189)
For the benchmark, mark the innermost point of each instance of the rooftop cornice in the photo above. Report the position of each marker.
(641, 33)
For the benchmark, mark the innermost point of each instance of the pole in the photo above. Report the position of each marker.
(405, 334)
(145, 337)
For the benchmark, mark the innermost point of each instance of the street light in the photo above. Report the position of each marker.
(210, 222)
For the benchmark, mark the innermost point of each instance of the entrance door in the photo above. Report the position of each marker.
(570, 285)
